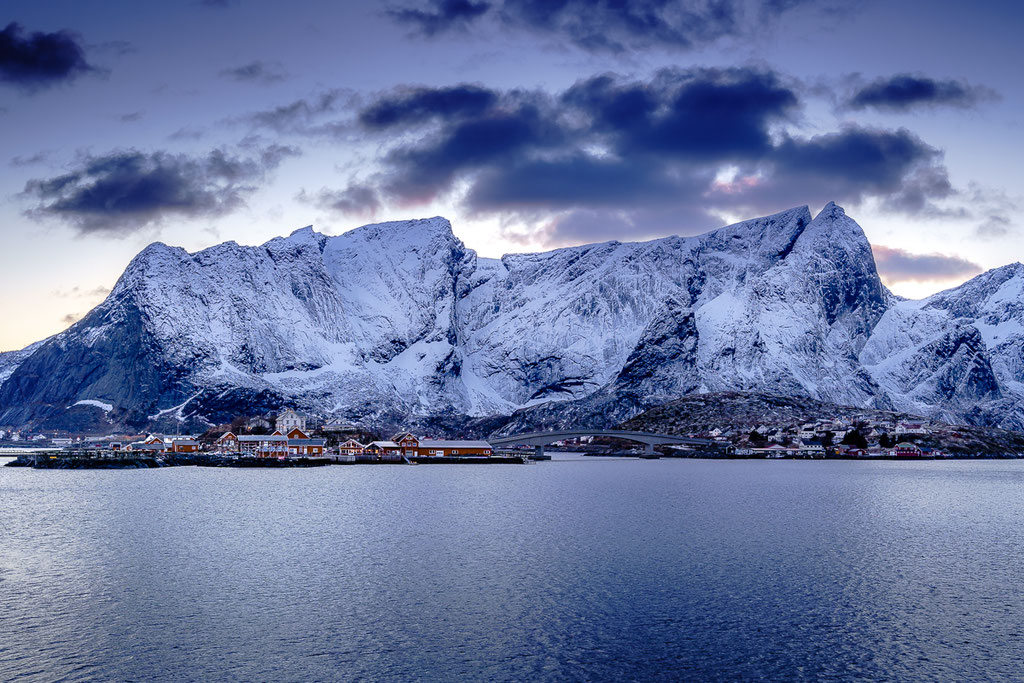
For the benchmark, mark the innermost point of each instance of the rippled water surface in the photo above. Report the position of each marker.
(576, 569)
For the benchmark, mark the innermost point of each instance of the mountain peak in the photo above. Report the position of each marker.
(399, 318)
(435, 224)
(831, 211)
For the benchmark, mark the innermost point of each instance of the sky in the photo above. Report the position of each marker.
(530, 124)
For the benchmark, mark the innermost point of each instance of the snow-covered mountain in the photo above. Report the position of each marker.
(401, 321)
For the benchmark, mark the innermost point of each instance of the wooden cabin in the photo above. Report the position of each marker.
(351, 447)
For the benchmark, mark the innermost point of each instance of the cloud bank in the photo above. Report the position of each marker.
(125, 191)
(899, 265)
(627, 152)
(604, 25)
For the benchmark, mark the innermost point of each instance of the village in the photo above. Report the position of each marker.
(831, 438)
(293, 438)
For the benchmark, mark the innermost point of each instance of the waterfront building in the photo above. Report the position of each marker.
(351, 447)
(263, 445)
(413, 446)
(227, 441)
(184, 446)
(455, 448)
(812, 448)
(300, 445)
(776, 450)
(907, 450)
(383, 449)
(157, 446)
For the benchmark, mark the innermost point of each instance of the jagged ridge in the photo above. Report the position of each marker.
(400, 320)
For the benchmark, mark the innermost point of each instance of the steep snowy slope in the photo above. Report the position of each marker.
(957, 354)
(400, 320)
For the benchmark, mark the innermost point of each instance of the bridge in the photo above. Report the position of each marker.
(540, 439)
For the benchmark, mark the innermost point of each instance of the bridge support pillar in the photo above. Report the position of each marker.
(649, 449)
(538, 451)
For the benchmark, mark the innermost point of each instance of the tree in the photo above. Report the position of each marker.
(755, 436)
(828, 438)
(855, 438)
(886, 441)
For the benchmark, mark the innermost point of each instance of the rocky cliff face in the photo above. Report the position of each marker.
(400, 321)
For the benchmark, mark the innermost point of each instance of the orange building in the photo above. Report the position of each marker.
(413, 446)
(299, 444)
(351, 447)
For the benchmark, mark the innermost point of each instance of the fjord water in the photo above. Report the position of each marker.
(575, 569)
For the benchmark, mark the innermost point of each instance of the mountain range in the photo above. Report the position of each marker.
(400, 322)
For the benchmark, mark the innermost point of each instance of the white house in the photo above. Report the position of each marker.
(910, 428)
(288, 420)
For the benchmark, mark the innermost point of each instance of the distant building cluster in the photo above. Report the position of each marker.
(823, 438)
(294, 443)
(289, 439)
(284, 435)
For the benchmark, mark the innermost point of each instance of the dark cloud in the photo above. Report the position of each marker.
(124, 191)
(851, 165)
(498, 138)
(530, 148)
(40, 59)
(606, 25)
(313, 116)
(132, 117)
(255, 72)
(899, 265)
(690, 141)
(416, 105)
(437, 16)
(577, 181)
(71, 318)
(693, 114)
(903, 92)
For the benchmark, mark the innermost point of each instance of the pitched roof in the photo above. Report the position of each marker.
(441, 443)
(262, 437)
(306, 442)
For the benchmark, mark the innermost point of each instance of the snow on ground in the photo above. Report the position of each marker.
(105, 407)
